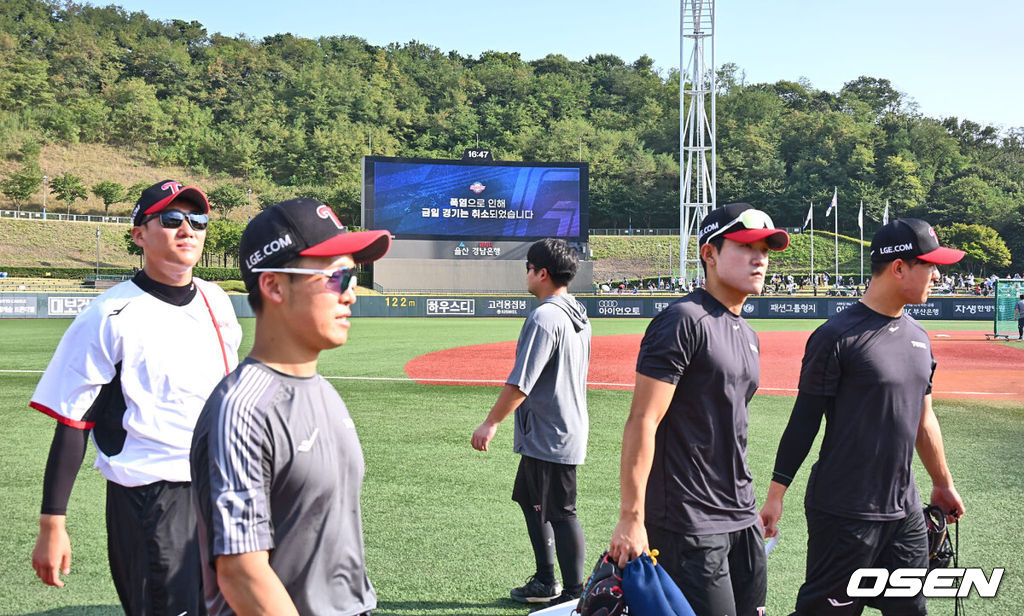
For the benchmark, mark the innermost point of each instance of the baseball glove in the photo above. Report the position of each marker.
(602, 595)
(940, 550)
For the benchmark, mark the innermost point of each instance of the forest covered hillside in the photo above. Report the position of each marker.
(285, 116)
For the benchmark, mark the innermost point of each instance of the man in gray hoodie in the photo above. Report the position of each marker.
(547, 390)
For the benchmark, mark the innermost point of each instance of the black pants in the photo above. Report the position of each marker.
(836, 547)
(722, 574)
(154, 550)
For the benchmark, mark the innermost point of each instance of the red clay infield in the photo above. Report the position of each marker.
(969, 366)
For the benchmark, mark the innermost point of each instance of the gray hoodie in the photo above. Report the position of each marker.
(552, 358)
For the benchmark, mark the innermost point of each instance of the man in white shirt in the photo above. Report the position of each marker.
(134, 370)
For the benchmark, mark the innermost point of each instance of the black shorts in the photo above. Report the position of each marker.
(153, 549)
(836, 547)
(548, 487)
(718, 574)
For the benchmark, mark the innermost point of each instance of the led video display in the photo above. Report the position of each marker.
(443, 199)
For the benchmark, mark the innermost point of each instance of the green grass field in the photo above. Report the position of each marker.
(442, 535)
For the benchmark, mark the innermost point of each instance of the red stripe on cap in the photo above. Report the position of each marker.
(942, 256)
(364, 246)
(777, 238)
(81, 425)
(183, 195)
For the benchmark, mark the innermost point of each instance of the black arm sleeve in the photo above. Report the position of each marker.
(804, 422)
(66, 454)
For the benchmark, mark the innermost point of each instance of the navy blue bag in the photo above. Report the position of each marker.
(649, 591)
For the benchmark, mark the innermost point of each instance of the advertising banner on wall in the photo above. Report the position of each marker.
(948, 308)
(66, 306)
(18, 306)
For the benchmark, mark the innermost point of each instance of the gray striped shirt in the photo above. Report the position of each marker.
(277, 467)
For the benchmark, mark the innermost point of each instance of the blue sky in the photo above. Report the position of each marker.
(953, 58)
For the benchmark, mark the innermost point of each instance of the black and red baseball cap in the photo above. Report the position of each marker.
(742, 222)
(911, 238)
(303, 228)
(163, 193)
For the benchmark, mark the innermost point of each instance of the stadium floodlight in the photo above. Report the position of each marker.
(697, 84)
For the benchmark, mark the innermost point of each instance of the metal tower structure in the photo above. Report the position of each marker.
(696, 129)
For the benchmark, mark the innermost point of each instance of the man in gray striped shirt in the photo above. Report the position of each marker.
(276, 464)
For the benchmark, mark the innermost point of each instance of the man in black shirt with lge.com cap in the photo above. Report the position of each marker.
(686, 489)
(869, 371)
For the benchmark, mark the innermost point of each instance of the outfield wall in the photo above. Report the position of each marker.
(44, 306)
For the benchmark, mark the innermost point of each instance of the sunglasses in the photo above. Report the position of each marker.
(338, 281)
(172, 219)
(750, 219)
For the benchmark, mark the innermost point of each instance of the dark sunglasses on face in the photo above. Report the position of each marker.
(172, 219)
(338, 281)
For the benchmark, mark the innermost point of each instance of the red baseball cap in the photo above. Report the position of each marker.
(911, 238)
(163, 193)
(741, 222)
(303, 227)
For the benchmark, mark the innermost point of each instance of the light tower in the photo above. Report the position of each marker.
(696, 128)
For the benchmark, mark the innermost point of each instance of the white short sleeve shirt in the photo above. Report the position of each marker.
(137, 370)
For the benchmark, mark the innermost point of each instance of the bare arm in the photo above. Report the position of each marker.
(771, 511)
(933, 455)
(651, 398)
(251, 587)
(508, 401)
(52, 554)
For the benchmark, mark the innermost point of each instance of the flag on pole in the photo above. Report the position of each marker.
(860, 216)
(810, 216)
(832, 206)
(885, 216)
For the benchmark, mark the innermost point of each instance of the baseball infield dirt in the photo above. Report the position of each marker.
(969, 366)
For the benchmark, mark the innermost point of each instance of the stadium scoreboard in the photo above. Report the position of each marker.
(431, 199)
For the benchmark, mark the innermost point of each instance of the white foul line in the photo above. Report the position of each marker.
(405, 379)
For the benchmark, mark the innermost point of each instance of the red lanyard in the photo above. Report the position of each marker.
(220, 338)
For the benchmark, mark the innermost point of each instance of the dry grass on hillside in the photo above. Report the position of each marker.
(95, 163)
(612, 268)
(62, 244)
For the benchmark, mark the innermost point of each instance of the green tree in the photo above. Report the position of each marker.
(68, 188)
(30, 151)
(135, 113)
(971, 198)
(222, 239)
(131, 246)
(135, 190)
(110, 192)
(226, 197)
(901, 184)
(984, 250)
(22, 184)
(878, 95)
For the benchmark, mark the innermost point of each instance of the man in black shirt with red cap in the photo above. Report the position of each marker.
(869, 370)
(686, 489)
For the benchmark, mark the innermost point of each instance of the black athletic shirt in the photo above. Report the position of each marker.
(699, 482)
(878, 369)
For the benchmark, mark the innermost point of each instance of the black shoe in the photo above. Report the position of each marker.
(535, 591)
(569, 595)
